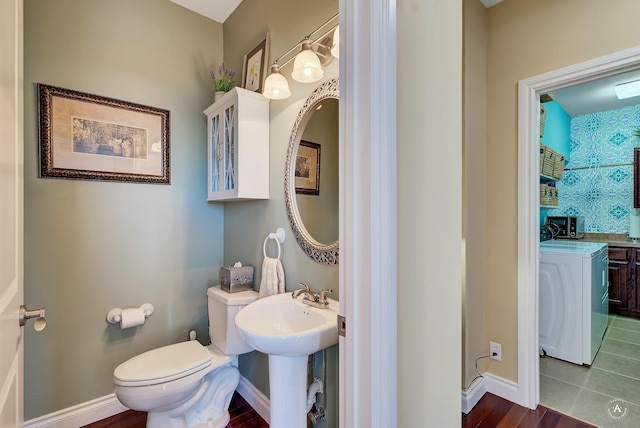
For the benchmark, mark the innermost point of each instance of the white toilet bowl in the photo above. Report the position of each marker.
(187, 385)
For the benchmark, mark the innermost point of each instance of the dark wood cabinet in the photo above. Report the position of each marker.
(624, 275)
(633, 293)
(636, 177)
(621, 273)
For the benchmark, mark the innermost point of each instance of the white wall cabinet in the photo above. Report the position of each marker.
(238, 147)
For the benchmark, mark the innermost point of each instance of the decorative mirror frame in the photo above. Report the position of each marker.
(323, 254)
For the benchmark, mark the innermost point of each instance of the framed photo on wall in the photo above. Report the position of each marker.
(89, 137)
(307, 168)
(254, 67)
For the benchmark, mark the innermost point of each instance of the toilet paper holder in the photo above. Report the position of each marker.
(115, 315)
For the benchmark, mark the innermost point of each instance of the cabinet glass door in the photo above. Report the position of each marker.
(216, 152)
(229, 148)
(223, 151)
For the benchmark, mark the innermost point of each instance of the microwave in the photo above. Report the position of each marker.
(569, 227)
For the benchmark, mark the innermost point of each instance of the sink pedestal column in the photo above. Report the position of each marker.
(288, 391)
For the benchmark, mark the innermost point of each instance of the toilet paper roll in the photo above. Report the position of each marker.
(132, 317)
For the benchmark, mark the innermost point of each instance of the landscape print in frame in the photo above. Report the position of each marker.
(90, 137)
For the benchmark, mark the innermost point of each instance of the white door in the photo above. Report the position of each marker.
(11, 272)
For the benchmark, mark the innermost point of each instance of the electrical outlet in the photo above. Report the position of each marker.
(495, 349)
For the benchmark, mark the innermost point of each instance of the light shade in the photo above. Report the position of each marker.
(306, 67)
(628, 90)
(335, 49)
(276, 86)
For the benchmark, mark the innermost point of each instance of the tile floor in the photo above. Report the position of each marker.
(607, 394)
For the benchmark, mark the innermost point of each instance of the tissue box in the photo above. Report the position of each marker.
(235, 279)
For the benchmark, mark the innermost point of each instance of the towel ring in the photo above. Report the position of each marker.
(278, 236)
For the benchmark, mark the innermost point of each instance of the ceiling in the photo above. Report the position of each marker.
(589, 97)
(596, 95)
(489, 3)
(218, 10)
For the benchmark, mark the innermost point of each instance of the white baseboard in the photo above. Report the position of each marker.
(107, 406)
(489, 383)
(80, 414)
(473, 394)
(255, 398)
(503, 388)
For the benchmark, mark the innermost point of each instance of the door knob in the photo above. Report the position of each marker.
(25, 314)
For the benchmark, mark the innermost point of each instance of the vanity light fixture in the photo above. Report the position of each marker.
(335, 49)
(628, 89)
(276, 86)
(307, 66)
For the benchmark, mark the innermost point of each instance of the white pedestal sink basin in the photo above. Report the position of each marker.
(288, 331)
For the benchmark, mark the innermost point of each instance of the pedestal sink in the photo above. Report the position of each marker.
(288, 331)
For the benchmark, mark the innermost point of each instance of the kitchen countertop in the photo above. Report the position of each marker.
(612, 239)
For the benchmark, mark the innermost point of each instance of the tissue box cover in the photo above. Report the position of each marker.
(236, 279)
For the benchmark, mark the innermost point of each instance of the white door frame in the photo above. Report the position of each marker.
(11, 186)
(368, 247)
(529, 91)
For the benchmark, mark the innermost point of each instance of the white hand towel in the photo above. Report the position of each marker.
(272, 281)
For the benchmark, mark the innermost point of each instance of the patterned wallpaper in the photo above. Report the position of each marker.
(600, 188)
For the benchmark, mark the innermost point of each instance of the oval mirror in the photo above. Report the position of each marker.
(311, 175)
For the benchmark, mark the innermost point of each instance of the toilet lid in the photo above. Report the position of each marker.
(163, 364)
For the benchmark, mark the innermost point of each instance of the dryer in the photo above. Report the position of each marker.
(573, 296)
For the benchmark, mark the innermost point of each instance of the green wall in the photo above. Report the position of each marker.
(92, 246)
(247, 224)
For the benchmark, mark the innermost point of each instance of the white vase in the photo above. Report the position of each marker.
(218, 95)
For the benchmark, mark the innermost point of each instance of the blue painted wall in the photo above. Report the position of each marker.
(557, 129)
(557, 135)
(603, 192)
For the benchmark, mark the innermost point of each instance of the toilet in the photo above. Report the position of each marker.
(188, 385)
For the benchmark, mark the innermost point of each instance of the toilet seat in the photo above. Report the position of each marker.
(164, 364)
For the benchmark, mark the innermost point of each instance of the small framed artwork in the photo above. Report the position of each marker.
(307, 168)
(254, 68)
(89, 137)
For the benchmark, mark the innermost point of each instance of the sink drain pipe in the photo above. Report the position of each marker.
(315, 388)
(318, 386)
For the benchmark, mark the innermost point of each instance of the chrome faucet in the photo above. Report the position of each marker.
(303, 290)
(310, 298)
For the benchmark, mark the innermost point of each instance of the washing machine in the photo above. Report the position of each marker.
(573, 299)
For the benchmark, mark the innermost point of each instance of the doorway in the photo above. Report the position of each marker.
(529, 90)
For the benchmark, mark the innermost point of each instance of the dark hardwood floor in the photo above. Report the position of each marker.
(490, 412)
(495, 412)
(242, 416)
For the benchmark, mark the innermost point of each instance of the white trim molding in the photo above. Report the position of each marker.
(368, 222)
(502, 387)
(473, 394)
(80, 414)
(255, 398)
(489, 383)
(527, 391)
(107, 406)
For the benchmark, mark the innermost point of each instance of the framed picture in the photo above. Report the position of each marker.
(88, 137)
(254, 68)
(307, 168)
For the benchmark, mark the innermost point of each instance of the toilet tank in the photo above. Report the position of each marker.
(223, 308)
